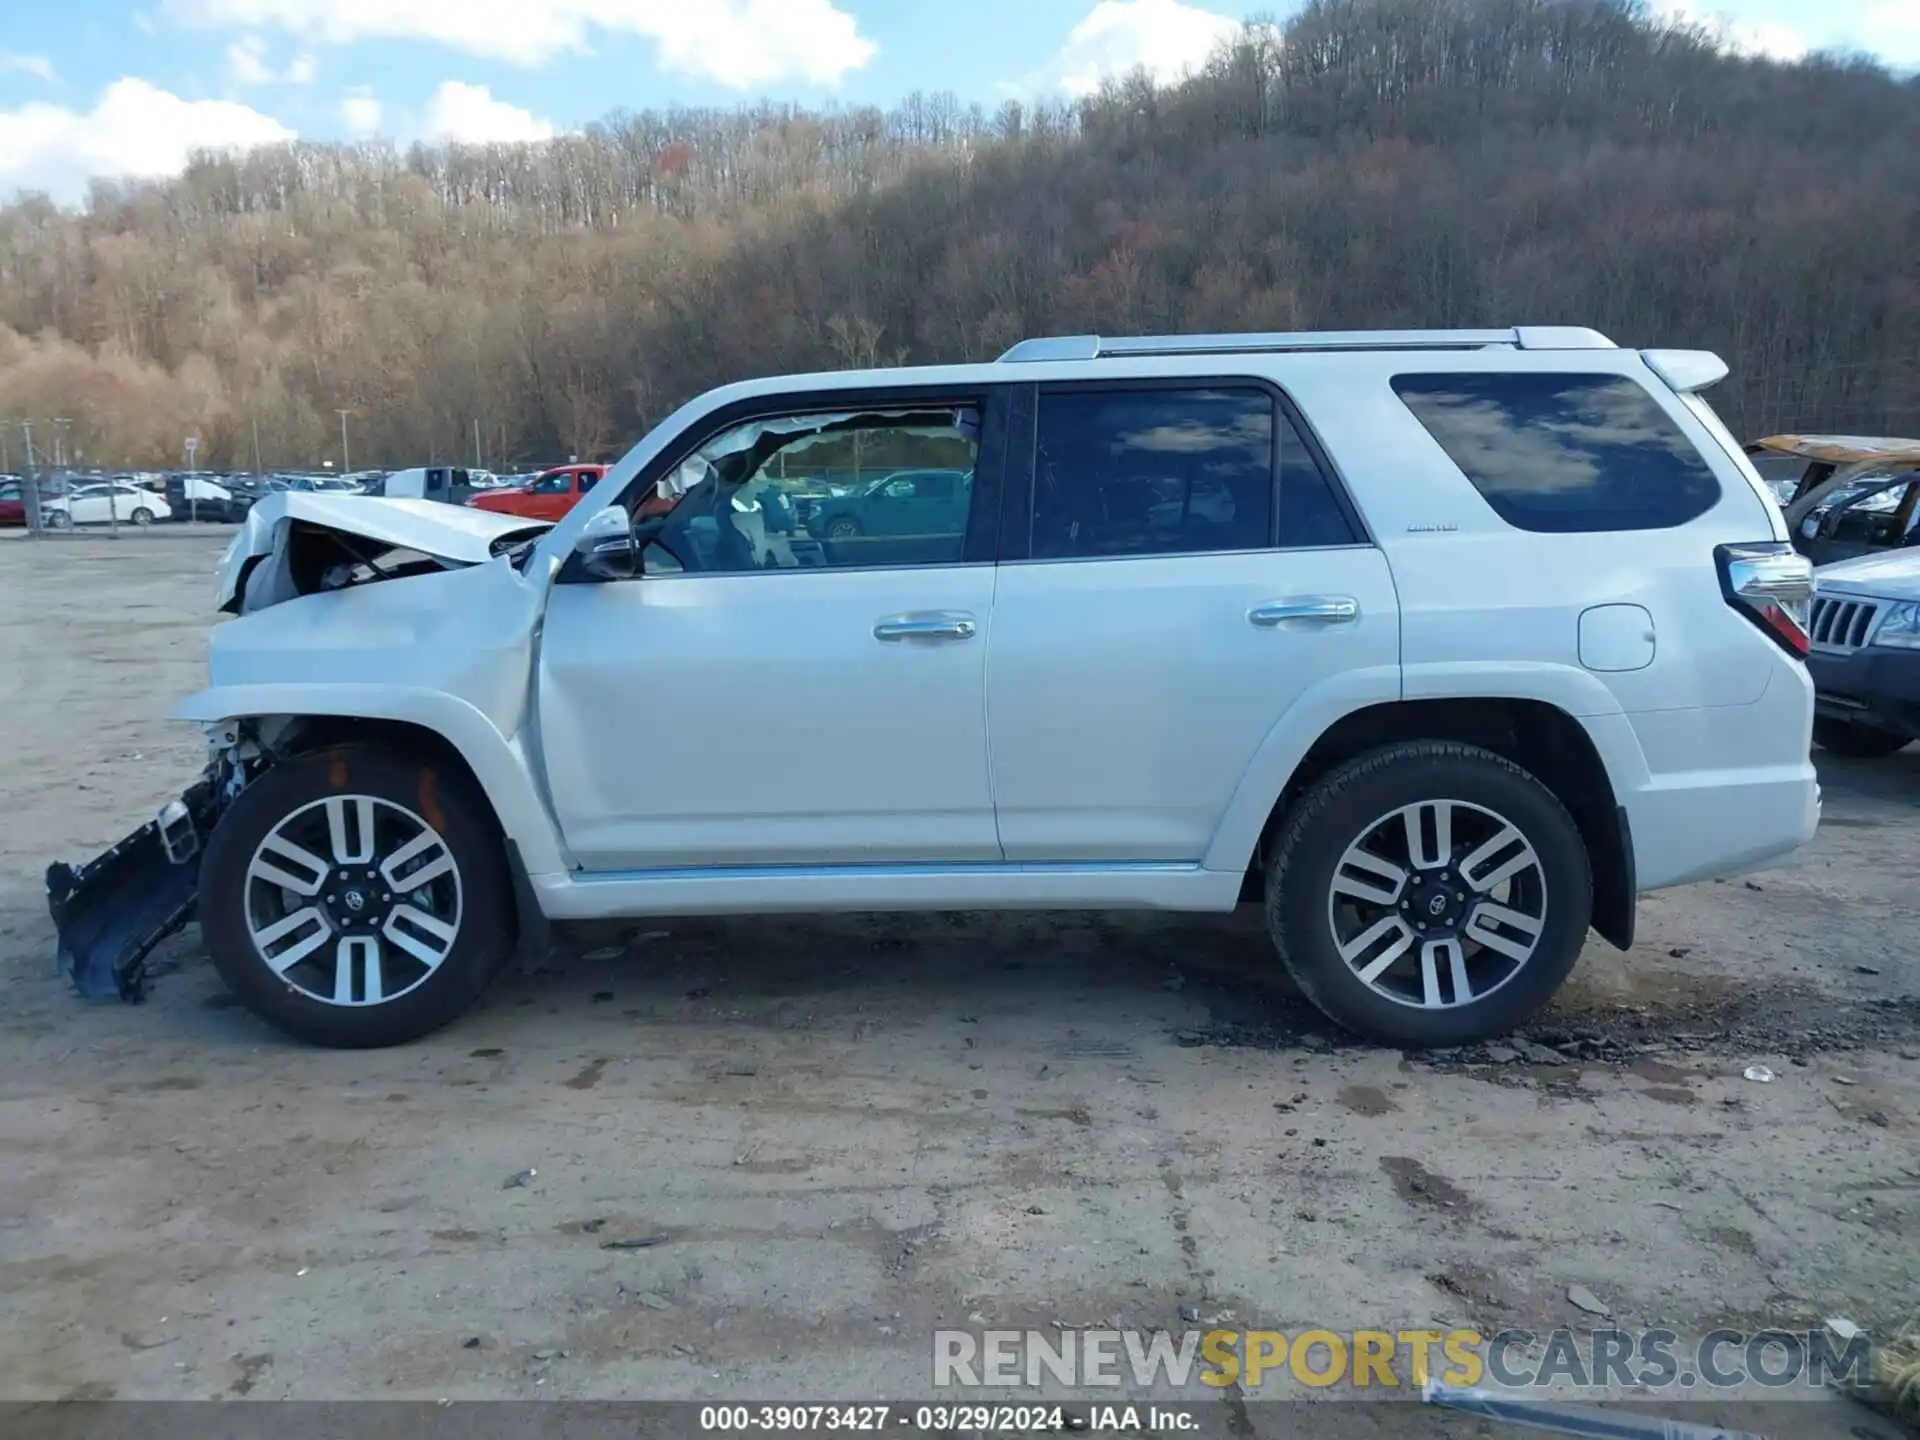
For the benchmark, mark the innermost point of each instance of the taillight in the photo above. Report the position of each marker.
(1772, 585)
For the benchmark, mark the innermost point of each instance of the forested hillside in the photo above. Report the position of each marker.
(1368, 163)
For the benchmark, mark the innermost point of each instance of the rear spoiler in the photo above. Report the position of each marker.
(1686, 371)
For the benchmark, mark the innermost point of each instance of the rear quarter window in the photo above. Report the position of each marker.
(1564, 453)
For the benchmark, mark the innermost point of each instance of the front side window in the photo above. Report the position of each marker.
(1564, 453)
(851, 488)
(1146, 472)
(554, 482)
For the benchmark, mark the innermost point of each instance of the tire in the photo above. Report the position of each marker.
(142, 517)
(844, 527)
(466, 899)
(1856, 742)
(1365, 801)
(57, 519)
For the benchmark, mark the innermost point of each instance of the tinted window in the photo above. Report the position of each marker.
(1152, 472)
(587, 477)
(1564, 452)
(1309, 513)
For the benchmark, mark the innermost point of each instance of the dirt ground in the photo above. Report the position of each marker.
(848, 1132)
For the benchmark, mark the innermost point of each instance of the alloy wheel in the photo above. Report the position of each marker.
(1438, 904)
(353, 900)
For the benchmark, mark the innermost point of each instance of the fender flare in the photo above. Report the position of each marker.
(499, 765)
(1581, 695)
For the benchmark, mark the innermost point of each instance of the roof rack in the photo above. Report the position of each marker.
(1098, 347)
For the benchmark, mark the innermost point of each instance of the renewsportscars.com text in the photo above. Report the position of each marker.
(1392, 1359)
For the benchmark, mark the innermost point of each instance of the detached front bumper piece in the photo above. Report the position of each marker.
(112, 911)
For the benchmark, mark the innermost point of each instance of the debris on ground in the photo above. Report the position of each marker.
(1587, 1300)
(519, 1181)
(1758, 1072)
(1538, 1054)
(634, 1242)
(1570, 1419)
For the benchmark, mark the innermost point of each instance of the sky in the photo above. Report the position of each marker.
(132, 87)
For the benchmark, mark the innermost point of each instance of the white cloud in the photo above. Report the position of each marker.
(135, 129)
(247, 64)
(470, 115)
(741, 44)
(1116, 37)
(38, 65)
(1892, 31)
(361, 114)
(1770, 38)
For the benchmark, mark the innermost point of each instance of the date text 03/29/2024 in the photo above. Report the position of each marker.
(932, 1419)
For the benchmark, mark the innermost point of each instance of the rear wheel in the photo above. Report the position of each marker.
(1429, 893)
(356, 897)
(142, 517)
(1856, 742)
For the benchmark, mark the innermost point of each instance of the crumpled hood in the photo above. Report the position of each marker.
(1890, 575)
(258, 557)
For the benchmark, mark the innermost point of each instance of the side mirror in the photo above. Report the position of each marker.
(606, 549)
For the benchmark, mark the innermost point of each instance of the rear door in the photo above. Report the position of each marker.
(1184, 570)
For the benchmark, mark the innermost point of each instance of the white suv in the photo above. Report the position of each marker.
(1441, 645)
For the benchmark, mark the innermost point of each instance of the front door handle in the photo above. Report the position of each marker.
(927, 625)
(1320, 609)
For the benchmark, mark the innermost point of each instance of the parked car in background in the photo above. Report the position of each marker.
(449, 484)
(1865, 662)
(1843, 495)
(906, 502)
(548, 496)
(199, 496)
(114, 502)
(13, 501)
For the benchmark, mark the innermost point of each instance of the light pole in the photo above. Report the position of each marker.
(36, 520)
(61, 458)
(346, 464)
(256, 449)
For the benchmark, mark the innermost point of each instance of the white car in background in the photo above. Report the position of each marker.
(104, 505)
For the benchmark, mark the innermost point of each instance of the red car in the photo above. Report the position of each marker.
(548, 496)
(13, 504)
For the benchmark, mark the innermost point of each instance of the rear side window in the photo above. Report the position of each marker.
(1564, 453)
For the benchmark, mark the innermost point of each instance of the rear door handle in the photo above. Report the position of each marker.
(926, 625)
(1320, 609)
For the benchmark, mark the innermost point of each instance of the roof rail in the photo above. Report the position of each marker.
(1098, 347)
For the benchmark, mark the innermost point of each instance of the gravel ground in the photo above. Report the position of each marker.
(846, 1132)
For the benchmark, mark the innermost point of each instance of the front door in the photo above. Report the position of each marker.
(755, 698)
(1189, 574)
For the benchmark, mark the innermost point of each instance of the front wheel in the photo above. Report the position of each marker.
(1429, 893)
(356, 897)
(58, 519)
(1856, 742)
(843, 527)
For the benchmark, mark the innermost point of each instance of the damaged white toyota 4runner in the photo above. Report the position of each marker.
(1443, 645)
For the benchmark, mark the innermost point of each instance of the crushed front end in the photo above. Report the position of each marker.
(111, 912)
